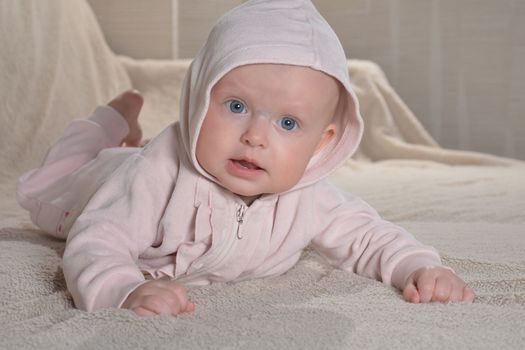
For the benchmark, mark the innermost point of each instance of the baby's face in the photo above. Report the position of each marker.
(264, 123)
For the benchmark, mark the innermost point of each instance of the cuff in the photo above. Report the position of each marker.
(125, 295)
(410, 264)
(114, 125)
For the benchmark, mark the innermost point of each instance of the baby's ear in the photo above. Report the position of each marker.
(328, 134)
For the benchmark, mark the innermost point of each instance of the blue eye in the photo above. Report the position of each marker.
(236, 106)
(287, 123)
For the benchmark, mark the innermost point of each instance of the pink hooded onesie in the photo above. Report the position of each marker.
(133, 214)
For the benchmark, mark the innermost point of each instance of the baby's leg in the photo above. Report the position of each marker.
(82, 140)
(48, 192)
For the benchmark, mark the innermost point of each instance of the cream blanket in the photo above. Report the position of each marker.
(55, 66)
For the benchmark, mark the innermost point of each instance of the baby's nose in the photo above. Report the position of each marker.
(256, 134)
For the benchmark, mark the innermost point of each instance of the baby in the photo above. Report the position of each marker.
(236, 189)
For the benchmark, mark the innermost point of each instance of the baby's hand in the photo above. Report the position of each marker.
(436, 284)
(159, 297)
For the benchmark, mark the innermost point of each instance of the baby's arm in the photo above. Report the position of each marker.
(355, 238)
(117, 225)
(159, 297)
(120, 222)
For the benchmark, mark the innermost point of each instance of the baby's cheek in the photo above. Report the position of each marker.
(291, 172)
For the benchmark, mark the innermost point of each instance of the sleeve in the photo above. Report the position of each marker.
(83, 139)
(119, 222)
(355, 238)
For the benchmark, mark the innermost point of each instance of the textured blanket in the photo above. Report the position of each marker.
(55, 66)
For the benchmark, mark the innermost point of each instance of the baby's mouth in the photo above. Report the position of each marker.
(247, 164)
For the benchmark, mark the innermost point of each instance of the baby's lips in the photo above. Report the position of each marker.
(247, 163)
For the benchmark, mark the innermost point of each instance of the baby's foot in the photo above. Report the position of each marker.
(129, 104)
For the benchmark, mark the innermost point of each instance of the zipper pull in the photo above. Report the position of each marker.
(240, 219)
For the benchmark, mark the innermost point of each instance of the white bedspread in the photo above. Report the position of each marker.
(55, 66)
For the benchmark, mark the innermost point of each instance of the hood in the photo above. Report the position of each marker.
(272, 31)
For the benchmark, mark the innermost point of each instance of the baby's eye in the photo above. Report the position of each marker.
(287, 123)
(236, 106)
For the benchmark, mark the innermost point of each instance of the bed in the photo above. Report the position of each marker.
(55, 66)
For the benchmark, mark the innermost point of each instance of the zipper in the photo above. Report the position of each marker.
(219, 258)
(240, 219)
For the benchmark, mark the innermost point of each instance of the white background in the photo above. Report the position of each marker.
(458, 64)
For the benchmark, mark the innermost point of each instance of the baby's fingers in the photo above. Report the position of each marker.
(442, 289)
(157, 304)
(180, 299)
(425, 286)
(456, 294)
(162, 304)
(449, 287)
(468, 294)
(410, 293)
(143, 312)
(190, 307)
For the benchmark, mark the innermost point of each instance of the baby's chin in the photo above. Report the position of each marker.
(247, 196)
(249, 199)
(251, 192)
